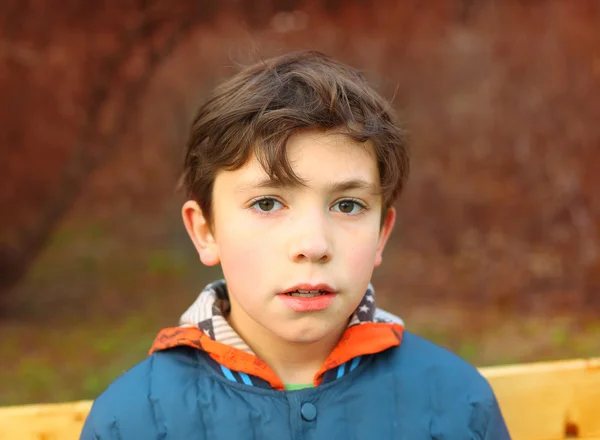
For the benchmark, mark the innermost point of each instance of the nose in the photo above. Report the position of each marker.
(310, 241)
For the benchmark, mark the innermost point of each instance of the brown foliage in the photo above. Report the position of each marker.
(71, 78)
(500, 99)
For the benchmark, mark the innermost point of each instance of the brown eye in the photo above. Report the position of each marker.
(267, 205)
(346, 207)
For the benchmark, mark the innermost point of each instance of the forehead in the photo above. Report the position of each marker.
(330, 145)
(317, 158)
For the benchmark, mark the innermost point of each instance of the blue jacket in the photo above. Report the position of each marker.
(414, 390)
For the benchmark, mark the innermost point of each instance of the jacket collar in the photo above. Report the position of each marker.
(204, 326)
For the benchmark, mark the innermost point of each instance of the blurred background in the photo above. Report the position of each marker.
(497, 251)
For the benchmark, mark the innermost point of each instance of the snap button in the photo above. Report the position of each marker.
(308, 411)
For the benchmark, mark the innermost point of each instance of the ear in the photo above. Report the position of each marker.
(384, 233)
(199, 230)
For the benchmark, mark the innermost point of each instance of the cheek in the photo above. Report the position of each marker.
(360, 254)
(243, 254)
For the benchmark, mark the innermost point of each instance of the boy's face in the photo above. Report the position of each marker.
(325, 237)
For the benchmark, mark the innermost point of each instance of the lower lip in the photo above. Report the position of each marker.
(308, 304)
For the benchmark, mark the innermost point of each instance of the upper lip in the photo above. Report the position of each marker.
(307, 286)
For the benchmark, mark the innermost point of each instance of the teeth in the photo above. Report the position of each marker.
(306, 293)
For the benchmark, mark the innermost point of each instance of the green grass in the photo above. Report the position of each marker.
(74, 362)
(89, 310)
(93, 303)
(79, 360)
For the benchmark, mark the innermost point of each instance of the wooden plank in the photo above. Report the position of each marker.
(62, 421)
(539, 400)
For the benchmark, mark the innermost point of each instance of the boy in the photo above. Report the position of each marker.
(291, 170)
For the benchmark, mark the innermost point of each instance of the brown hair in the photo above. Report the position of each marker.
(257, 110)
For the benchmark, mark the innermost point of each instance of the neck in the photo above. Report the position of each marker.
(294, 362)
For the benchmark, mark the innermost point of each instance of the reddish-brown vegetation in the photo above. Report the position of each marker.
(500, 98)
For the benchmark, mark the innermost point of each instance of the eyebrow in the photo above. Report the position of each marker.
(336, 187)
(264, 183)
(347, 185)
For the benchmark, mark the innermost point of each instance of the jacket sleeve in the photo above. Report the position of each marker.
(486, 420)
(124, 411)
(117, 416)
(496, 427)
(97, 427)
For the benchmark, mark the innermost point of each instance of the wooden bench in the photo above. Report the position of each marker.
(542, 401)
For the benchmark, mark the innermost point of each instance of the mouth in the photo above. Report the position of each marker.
(309, 290)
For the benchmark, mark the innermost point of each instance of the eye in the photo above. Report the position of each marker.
(266, 204)
(348, 206)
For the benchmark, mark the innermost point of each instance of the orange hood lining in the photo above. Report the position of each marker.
(359, 340)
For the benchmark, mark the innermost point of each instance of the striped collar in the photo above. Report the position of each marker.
(211, 308)
(204, 326)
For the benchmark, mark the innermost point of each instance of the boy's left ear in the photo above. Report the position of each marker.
(384, 233)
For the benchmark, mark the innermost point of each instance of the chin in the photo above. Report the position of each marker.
(306, 336)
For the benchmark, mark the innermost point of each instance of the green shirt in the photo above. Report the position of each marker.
(297, 386)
